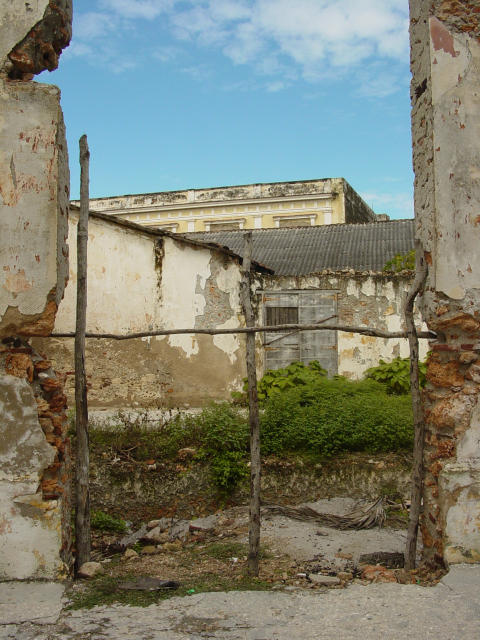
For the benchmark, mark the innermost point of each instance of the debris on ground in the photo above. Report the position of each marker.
(210, 553)
(146, 583)
(367, 516)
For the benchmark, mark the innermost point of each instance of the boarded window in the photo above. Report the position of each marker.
(281, 315)
(300, 307)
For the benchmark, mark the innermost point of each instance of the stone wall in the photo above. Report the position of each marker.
(34, 189)
(445, 60)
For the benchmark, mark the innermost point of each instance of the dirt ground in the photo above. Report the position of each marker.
(212, 556)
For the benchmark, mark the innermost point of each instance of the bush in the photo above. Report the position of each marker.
(278, 380)
(395, 375)
(337, 416)
(104, 522)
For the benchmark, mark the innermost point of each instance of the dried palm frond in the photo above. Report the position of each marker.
(364, 516)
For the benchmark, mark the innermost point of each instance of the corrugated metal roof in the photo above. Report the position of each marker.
(303, 250)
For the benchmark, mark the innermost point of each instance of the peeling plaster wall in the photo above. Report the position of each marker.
(445, 55)
(363, 300)
(34, 187)
(35, 540)
(139, 282)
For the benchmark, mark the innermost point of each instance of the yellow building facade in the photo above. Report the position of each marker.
(252, 206)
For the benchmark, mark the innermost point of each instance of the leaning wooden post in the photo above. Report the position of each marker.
(82, 494)
(255, 462)
(418, 418)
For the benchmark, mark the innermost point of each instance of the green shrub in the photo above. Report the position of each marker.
(228, 469)
(104, 522)
(337, 416)
(401, 261)
(224, 443)
(395, 375)
(278, 380)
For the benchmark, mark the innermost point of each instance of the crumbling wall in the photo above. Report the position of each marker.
(34, 190)
(364, 299)
(140, 281)
(445, 60)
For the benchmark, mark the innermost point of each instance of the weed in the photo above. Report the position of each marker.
(105, 522)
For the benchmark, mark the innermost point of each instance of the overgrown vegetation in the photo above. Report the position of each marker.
(337, 416)
(395, 375)
(303, 413)
(401, 262)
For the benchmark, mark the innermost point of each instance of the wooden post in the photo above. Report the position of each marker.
(82, 494)
(418, 421)
(255, 461)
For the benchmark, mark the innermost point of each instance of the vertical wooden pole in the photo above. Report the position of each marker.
(82, 494)
(418, 420)
(255, 468)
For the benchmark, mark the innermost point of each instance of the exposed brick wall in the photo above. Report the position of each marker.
(19, 359)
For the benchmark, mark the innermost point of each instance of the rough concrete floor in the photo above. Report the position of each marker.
(448, 611)
(306, 540)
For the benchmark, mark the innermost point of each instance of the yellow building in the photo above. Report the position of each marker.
(252, 206)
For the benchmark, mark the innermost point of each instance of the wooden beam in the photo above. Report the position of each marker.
(82, 494)
(418, 418)
(255, 460)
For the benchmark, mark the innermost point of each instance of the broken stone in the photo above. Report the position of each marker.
(326, 581)
(134, 537)
(130, 554)
(179, 531)
(90, 570)
(162, 523)
(203, 524)
(156, 536)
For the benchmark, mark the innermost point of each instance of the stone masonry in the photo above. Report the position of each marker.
(34, 191)
(445, 61)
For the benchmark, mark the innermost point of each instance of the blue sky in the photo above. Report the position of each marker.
(199, 93)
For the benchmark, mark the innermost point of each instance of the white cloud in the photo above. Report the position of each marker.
(92, 25)
(311, 38)
(148, 9)
(397, 205)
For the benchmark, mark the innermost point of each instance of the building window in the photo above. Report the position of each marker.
(224, 225)
(295, 221)
(300, 307)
